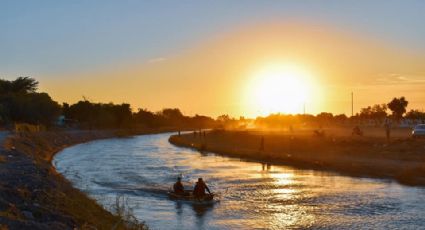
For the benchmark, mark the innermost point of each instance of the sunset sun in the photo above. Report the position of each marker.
(279, 89)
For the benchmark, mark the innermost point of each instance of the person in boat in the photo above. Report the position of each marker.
(178, 187)
(200, 187)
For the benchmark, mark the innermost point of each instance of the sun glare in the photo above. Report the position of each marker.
(279, 89)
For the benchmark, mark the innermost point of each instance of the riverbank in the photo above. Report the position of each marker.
(34, 196)
(402, 159)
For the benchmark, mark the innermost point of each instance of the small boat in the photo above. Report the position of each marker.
(188, 196)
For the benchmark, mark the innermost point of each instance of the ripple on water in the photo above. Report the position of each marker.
(252, 195)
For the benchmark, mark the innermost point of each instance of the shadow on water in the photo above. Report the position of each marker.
(200, 211)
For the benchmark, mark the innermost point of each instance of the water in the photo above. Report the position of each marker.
(252, 195)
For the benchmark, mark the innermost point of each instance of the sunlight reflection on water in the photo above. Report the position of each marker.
(252, 195)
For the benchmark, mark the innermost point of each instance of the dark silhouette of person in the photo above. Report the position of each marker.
(199, 189)
(262, 144)
(178, 187)
(357, 131)
(387, 126)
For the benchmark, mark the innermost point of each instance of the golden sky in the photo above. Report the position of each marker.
(216, 76)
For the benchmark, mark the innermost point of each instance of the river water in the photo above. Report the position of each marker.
(252, 195)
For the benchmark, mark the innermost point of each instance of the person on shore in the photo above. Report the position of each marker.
(262, 144)
(178, 187)
(387, 126)
(199, 189)
(357, 131)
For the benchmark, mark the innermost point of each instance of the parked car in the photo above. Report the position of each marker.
(418, 131)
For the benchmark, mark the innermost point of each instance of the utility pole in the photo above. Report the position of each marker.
(352, 104)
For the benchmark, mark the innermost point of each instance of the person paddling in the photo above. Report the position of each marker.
(178, 187)
(199, 189)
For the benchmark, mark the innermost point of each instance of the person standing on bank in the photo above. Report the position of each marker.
(387, 125)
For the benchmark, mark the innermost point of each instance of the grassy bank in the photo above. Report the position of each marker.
(401, 159)
(34, 196)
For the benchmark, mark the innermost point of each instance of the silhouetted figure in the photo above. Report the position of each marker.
(291, 129)
(262, 144)
(265, 166)
(199, 189)
(205, 134)
(357, 131)
(179, 132)
(178, 186)
(194, 133)
(387, 126)
(319, 132)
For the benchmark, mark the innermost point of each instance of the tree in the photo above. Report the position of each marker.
(398, 107)
(225, 121)
(376, 112)
(146, 118)
(20, 85)
(19, 102)
(340, 118)
(99, 115)
(223, 118)
(172, 114)
(415, 115)
(324, 117)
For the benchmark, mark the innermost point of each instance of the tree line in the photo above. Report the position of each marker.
(394, 110)
(21, 103)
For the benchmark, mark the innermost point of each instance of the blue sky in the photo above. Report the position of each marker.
(58, 38)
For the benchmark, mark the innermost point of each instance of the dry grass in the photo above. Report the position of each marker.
(402, 158)
(121, 209)
(12, 212)
(55, 195)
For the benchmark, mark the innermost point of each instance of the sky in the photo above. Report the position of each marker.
(202, 56)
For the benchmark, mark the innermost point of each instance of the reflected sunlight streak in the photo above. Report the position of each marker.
(285, 209)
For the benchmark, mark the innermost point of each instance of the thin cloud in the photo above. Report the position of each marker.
(156, 60)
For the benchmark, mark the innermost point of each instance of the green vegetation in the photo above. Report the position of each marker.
(100, 116)
(375, 114)
(34, 196)
(19, 102)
